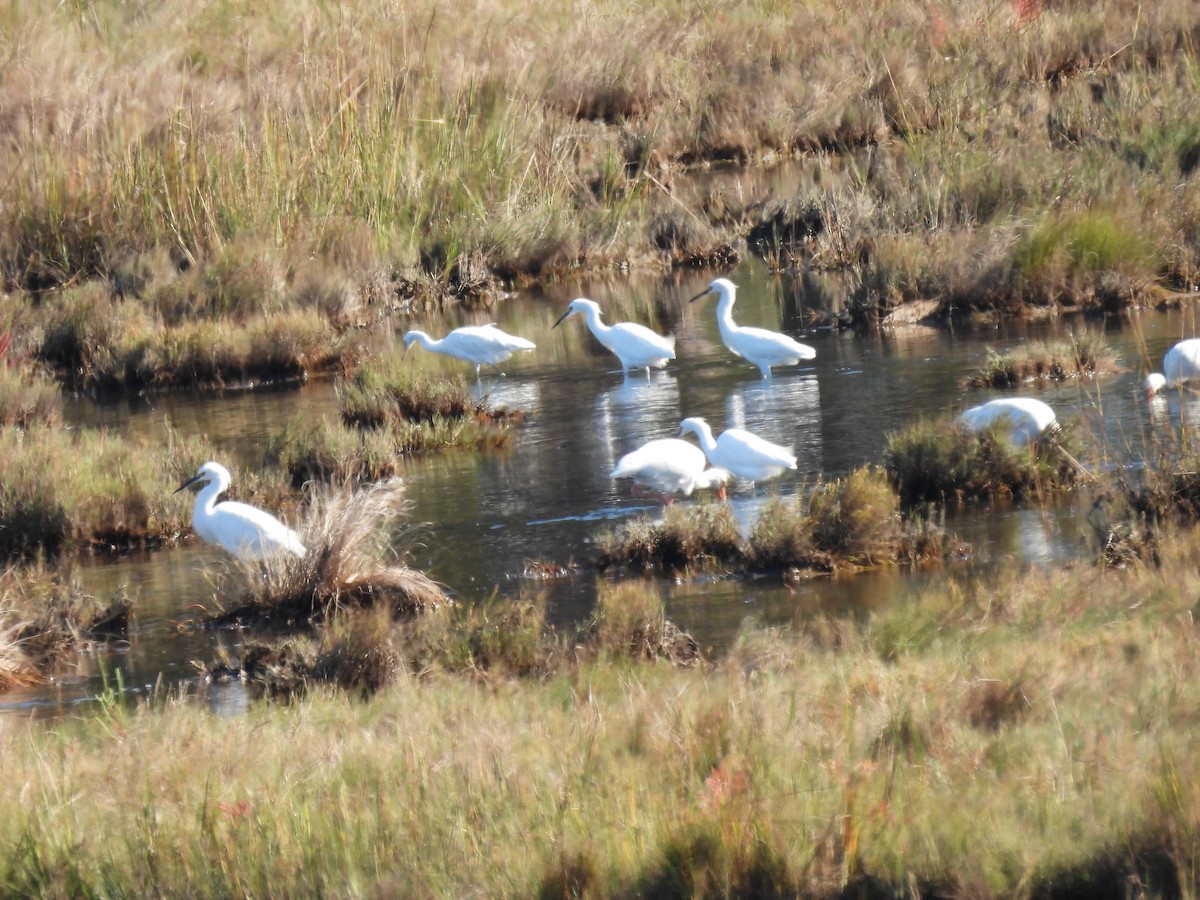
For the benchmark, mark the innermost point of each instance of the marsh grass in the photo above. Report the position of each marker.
(87, 489)
(97, 342)
(364, 648)
(939, 461)
(840, 525)
(28, 398)
(838, 757)
(1085, 355)
(45, 616)
(299, 168)
(385, 412)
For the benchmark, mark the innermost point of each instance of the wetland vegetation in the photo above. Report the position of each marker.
(281, 184)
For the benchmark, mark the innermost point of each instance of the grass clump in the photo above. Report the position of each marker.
(364, 649)
(941, 461)
(45, 615)
(28, 398)
(1085, 355)
(387, 412)
(351, 563)
(842, 525)
(86, 490)
(704, 536)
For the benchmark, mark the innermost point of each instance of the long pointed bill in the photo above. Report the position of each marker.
(404, 355)
(188, 483)
(704, 293)
(560, 318)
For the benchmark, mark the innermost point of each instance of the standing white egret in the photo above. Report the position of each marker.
(757, 345)
(1180, 366)
(1026, 418)
(480, 345)
(669, 466)
(636, 346)
(740, 452)
(245, 531)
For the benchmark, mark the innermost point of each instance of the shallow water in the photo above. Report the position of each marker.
(545, 498)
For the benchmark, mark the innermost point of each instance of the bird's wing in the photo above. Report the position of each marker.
(760, 341)
(739, 443)
(642, 333)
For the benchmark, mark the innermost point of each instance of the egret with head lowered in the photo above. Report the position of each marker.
(636, 346)
(1026, 418)
(740, 452)
(480, 345)
(760, 346)
(243, 530)
(1181, 365)
(669, 466)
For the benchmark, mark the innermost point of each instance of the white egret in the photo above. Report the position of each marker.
(740, 452)
(1180, 366)
(1026, 418)
(245, 531)
(480, 345)
(757, 345)
(669, 466)
(636, 346)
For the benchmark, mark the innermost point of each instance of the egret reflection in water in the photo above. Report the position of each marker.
(506, 393)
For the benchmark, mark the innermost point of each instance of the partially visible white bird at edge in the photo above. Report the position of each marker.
(760, 346)
(1181, 365)
(636, 346)
(243, 530)
(669, 466)
(480, 345)
(1026, 418)
(740, 452)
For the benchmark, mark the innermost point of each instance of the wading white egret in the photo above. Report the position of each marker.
(480, 345)
(245, 531)
(669, 466)
(636, 346)
(1025, 417)
(1180, 366)
(757, 345)
(740, 452)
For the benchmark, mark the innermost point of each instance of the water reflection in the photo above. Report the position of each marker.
(506, 393)
(634, 411)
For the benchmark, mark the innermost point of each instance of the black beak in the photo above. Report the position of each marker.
(704, 293)
(560, 318)
(188, 483)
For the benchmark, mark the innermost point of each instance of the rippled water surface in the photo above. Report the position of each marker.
(545, 498)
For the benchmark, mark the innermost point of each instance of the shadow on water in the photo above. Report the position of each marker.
(482, 516)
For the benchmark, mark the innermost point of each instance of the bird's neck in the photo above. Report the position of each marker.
(725, 321)
(206, 500)
(706, 439)
(593, 319)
